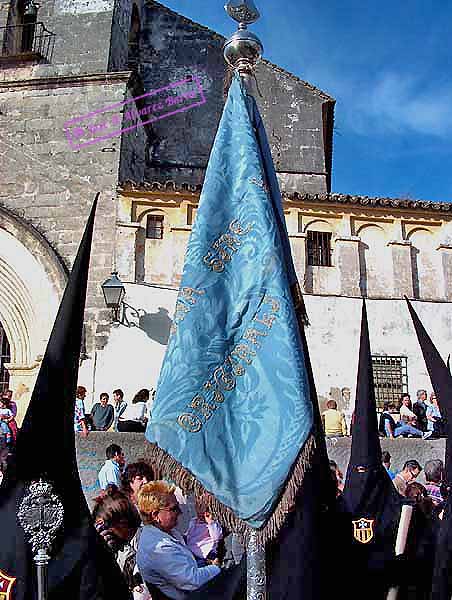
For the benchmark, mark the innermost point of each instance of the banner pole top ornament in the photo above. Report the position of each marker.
(243, 50)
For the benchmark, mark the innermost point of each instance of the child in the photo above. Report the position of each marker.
(204, 535)
(7, 417)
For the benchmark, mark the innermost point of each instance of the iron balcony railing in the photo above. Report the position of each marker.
(27, 41)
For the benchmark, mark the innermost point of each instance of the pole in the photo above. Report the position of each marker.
(256, 577)
(242, 51)
(42, 561)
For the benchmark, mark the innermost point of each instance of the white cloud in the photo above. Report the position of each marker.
(389, 103)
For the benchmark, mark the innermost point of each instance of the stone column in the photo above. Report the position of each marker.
(347, 260)
(126, 249)
(446, 262)
(402, 268)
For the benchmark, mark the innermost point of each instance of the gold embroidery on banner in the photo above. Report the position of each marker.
(186, 299)
(244, 352)
(223, 377)
(190, 422)
(225, 246)
(252, 334)
(266, 320)
(218, 395)
(236, 367)
(200, 404)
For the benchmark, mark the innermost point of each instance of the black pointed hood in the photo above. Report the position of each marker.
(81, 566)
(366, 449)
(369, 493)
(440, 378)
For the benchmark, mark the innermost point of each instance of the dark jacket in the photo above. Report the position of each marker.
(420, 410)
(385, 416)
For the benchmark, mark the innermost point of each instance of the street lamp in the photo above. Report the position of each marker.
(114, 292)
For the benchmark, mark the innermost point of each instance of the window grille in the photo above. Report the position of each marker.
(390, 379)
(154, 227)
(319, 248)
(5, 357)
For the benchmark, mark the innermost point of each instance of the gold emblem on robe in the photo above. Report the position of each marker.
(363, 530)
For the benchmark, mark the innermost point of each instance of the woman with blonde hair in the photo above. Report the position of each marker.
(167, 566)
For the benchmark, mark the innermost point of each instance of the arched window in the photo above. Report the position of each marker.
(5, 356)
(318, 244)
(154, 227)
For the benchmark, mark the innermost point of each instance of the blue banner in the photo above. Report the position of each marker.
(232, 403)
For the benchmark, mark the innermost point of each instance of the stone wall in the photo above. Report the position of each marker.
(173, 47)
(51, 186)
(91, 453)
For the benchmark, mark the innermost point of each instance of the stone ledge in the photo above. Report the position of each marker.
(91, 453)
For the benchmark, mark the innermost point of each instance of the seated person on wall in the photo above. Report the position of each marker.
(406, 411)
(389, 428)
(164, 561)
(436, 425)
(333, 421)
(102, 414)
(134, 417)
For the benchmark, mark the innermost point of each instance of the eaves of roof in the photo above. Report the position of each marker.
(349, 199)
(371, 202)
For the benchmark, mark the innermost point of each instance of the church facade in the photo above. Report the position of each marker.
(68, 58)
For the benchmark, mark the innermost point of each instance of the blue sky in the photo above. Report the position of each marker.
(389, 66)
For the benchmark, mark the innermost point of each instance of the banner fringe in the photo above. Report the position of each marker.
(170, 468)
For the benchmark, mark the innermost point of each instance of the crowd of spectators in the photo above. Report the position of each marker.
(422, 419)
(139, 517)
(120, 416)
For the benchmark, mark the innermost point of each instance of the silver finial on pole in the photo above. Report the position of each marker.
(41, 516)
(243, 50)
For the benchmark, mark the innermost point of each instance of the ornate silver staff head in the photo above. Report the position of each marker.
(243, 50)
(41, 516)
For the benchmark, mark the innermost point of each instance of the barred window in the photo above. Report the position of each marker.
(390, 379)
(5, 357)
(154, 227)
(319, 248)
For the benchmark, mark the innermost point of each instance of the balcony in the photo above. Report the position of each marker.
(24, 43)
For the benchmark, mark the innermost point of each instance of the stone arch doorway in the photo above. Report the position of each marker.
(32, 281)
(5, 356)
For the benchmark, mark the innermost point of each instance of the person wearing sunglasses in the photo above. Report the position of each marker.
(164, 561)
(408, 474)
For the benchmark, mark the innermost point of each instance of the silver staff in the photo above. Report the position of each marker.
(41, 516)
(242, 51)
